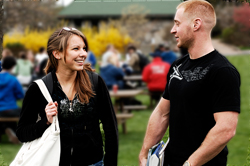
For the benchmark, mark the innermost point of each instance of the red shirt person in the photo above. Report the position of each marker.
(155, 73)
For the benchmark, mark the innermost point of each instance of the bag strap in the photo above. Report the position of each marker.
(47, 96)
(44, 90)
(94, 79)
(48, 80)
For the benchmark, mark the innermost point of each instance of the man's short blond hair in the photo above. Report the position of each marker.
(199, 9)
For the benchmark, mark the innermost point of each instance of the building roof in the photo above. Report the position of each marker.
(104, 8)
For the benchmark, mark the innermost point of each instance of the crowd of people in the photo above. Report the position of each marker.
(199, 94)
(27, 67)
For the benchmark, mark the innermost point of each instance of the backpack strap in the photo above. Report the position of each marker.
(48, 81)
(94, 80)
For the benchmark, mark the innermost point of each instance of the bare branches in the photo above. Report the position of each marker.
(35, 14)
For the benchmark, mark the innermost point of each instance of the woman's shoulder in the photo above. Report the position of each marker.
(33, 89)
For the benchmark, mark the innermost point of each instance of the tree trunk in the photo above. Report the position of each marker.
(1, 28)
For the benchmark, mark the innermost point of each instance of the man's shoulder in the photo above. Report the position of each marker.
(220, 61)
(11, 77)
(221, 66)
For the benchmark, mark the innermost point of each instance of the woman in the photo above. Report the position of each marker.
(23, 69)
(79, 108)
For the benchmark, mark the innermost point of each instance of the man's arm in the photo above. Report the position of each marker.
(157, 126)
(216, 139)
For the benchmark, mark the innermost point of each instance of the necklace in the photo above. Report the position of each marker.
(70, 105)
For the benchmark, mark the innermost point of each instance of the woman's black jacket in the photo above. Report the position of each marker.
(81, 139)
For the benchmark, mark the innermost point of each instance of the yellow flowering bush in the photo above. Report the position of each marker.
(30, 39)
(97, 40)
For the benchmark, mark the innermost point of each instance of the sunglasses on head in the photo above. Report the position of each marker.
(66, 29)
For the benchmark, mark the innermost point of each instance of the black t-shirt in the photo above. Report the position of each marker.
(198, 88)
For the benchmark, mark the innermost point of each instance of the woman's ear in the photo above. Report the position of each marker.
(56, 54)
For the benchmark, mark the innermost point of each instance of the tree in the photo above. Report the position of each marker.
(216, 2)
(1, 28)
(134, 21)
(242, 16)
(36, 14)
(237, 31)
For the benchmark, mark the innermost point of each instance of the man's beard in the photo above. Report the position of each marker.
(187, 41)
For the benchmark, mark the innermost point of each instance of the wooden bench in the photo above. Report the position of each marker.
(121, 119)
(128, 108)
(5, 119)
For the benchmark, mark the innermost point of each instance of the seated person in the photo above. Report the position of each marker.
(134, 59)
(23, 69)
(167, 55)
(6, 52)
(91, 59)
(110, 51)
(127, 69)
(155, 75)
(111, 74)
(10, 91)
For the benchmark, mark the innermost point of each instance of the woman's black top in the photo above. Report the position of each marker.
(81, 139)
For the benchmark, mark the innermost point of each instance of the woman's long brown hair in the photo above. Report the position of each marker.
(59, 43)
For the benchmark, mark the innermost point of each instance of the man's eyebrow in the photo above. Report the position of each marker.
(176, 21)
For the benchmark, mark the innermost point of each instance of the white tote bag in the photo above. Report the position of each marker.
(44, 151)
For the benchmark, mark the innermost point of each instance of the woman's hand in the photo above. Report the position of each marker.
(51, 110)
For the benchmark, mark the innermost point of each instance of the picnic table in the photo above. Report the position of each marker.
(123, 115)
(9, 119)
(133, 78)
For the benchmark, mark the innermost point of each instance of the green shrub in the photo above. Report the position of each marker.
(15, 47)
(227, 34)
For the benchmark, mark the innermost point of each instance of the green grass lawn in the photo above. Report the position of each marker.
(239, 144)
(130, 143)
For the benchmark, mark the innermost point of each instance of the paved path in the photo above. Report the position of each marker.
(228, 50)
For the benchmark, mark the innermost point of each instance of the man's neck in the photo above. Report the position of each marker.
(201, 47)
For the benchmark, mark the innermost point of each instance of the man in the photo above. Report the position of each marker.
(201, 101)
(41, 55)
(10, 91)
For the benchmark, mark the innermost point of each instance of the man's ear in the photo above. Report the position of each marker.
(197, 24)
(56, 54)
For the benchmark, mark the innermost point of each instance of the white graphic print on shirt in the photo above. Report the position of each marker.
(196, 75)
(176, 74)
